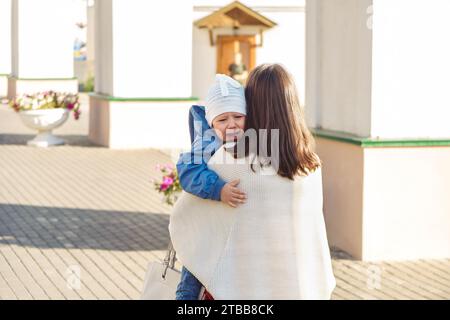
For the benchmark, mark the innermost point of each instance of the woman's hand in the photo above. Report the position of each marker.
(231, 195)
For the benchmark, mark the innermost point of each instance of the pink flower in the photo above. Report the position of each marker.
(70, 106)
(168, 181)
(163, 187)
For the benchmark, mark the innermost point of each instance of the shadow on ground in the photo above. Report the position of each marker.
(54, 227)
(71, 140)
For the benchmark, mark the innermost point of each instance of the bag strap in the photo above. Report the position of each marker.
(169, 260)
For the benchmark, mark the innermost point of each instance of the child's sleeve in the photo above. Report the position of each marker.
(194, 174)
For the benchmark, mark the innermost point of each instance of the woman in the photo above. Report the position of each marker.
(273, 246)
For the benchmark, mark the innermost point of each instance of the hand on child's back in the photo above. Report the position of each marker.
(231, 194)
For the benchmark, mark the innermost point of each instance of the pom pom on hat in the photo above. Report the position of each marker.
(225, 95)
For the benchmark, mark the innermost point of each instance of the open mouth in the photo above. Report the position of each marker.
(233, 137)
(233, 134)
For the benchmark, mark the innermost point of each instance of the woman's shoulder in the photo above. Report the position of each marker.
(311, 181)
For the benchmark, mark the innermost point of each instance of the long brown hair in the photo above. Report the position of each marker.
(273, 103)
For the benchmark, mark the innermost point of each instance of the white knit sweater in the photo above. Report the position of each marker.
(272, 247)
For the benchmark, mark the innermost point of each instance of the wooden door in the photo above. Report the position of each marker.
(229, 46)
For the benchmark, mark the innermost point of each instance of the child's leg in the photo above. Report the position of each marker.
(189, 287)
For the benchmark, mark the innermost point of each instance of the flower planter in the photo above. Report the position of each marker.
(44, 121)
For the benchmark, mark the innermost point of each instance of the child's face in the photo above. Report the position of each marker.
(229, 126)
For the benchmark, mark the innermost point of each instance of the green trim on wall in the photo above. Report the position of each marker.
(377, 142)
(43, 79)
(119, 99)
(4, 74)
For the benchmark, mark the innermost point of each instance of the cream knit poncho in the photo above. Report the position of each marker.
(272, 247)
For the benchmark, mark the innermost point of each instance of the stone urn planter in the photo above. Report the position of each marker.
(45, 111)
(44, 121)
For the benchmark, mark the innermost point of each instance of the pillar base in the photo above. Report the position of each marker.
(386, 200)
(119, 123)
(21, 85)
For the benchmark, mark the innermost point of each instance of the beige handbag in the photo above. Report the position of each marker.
(161, 279)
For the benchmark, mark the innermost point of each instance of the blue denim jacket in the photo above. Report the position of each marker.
(195, 177)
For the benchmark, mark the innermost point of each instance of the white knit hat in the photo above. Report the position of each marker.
(225, 95)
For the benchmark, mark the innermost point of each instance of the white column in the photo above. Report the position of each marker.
(411, 69)
(312, 65)
(42, 45)
(5, 40)
(90, 51)
(339, 65)
(144, 48)
(143, 74)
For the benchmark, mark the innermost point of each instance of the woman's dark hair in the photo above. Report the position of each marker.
(273, 103)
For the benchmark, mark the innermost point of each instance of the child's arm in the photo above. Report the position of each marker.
(195, 176)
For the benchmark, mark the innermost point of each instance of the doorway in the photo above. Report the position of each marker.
(236, 56)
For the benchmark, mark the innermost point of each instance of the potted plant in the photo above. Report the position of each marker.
(169, 185)
(45, 111)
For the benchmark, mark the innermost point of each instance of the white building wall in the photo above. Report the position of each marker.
(344, 73)
(152, 48)
(249, 3)
(406, 216)
(203, 62)
(42, 43)
(103, 47)
(90, 41)
(285, 43)
(411, 69)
